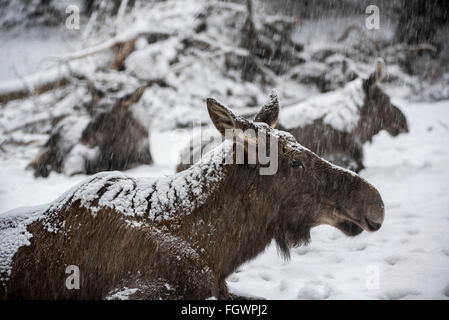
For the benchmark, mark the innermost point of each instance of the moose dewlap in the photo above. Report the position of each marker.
(179, 237)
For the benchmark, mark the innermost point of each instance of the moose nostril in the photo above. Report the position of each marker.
(373, 226)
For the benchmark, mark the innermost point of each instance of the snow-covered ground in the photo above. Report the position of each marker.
(407, 259)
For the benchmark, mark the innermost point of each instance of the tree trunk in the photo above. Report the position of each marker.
(419, 20)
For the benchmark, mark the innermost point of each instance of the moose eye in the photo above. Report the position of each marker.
(296, 163)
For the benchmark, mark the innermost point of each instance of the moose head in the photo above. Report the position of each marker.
(378, 111)
(306, 190)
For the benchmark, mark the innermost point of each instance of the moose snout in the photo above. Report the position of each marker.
(372, 225)
(374, 217)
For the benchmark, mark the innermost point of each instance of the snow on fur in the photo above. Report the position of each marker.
(339, 109)
(14, 234)
(129, 196)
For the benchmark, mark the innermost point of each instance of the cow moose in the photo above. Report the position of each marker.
(180, 236)
(335, 125)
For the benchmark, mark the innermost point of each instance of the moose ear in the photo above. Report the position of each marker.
(221, 116)
(270, 111)
(379, 72)
(377, 76)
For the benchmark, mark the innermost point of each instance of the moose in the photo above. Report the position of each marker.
(109, 137)
(334, 125)
(181, 236)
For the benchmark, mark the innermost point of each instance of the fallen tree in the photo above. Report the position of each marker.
(156, 58)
